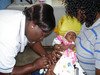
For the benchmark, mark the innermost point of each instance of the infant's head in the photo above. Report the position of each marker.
(70, 36)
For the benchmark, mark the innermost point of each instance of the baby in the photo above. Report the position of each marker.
(64, 66)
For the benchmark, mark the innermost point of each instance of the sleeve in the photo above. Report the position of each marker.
(7, 58)
(56, 41)
(97, 53)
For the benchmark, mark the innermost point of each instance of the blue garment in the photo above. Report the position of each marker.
(36, 73)
(4, 3)
(88, 48)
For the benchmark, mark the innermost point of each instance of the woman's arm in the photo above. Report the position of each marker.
(38, 48)
(97, 71)
(28, 68)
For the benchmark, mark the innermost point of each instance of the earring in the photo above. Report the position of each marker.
(32, 27)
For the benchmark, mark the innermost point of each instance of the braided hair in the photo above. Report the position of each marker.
(42, 15)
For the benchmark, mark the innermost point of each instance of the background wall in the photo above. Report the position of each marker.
(4, 3)
(58, 12)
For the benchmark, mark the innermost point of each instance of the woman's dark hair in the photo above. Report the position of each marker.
(70, 6)
(91, 8)
(42, 15)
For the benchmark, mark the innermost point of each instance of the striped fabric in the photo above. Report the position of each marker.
(88, 47)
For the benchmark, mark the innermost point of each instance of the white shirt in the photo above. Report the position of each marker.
(12, 38)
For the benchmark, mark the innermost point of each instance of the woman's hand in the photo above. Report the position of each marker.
(58, 49)
(72, 46)
(61, 47)
(52, 57)
(50, 70)
(41, 62)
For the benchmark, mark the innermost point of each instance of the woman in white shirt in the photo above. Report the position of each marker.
(19, 28)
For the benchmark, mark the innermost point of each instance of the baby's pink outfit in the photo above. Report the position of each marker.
(68, 52)
(64, 66)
